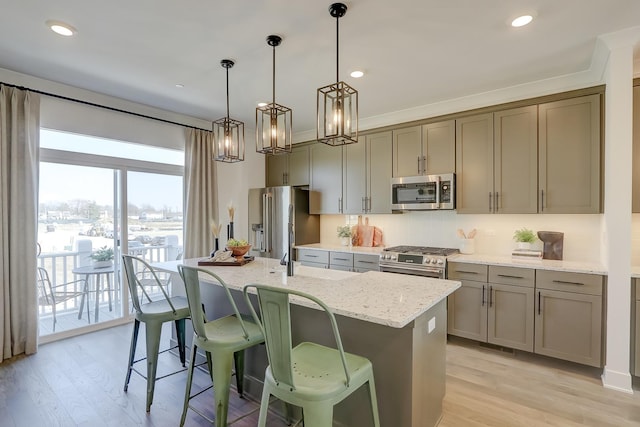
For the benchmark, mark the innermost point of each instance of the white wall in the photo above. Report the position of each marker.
(582, 233)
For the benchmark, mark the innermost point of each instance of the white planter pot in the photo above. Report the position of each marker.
(345, 241)
(102, 264)
(523, 245)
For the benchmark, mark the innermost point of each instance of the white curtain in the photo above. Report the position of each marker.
(201, 195)
(19, 166)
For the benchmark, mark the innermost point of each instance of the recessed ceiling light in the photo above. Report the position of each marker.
(521, 21)
(61, 28)
(357, 74)
(262, 104)
(179, 85)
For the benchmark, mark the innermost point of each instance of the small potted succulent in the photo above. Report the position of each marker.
(524, 238)
(102, 257)
(344, 233)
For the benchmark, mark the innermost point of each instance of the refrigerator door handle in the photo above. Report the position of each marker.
(266, 218)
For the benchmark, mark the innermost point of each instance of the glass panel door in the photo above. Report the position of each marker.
(80, 283)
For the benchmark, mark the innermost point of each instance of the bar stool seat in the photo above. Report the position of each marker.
(224, 341)
(153, 314)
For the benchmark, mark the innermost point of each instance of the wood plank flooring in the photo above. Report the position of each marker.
(78, 382)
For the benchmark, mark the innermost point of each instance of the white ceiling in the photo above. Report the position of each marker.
(414, 52)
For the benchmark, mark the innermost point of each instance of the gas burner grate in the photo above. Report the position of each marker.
(424, 250)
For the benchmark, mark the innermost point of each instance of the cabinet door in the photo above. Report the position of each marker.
(354, 189)
(277, 169)
(637, 353)
(467, 311)
(439, 147)
(516, 160)
(569, 144)
(569, 326)
(510, 316)
(326, 179)
(407, 151)
(474, 164)
(364, 262)
(635, 200)
(299, 166)
(379, 151)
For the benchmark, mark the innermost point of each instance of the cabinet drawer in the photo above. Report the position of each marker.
(314, 264)
(569, 282)
(310, 255)
(464, 271)
(363, 262)
(340, 267)
(341, 258)
(512, 275)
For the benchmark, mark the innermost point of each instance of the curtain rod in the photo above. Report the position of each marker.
(66, 98)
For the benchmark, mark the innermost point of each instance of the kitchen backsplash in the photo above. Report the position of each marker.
(582, 233)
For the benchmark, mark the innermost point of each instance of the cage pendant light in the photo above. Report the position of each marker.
(273, 121)
(337, 102)
(228, 134)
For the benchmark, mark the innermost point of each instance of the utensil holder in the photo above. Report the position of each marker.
(467, 246)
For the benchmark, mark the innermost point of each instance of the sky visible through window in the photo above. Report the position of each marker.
(61, 182)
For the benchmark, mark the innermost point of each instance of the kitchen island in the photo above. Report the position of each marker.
(396, 321)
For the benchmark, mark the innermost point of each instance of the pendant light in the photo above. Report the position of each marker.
(337, 102)
(273, 121)
(228, 134)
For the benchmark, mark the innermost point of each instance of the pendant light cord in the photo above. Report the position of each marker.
(337, 47)
(274, 75)
(227, 93)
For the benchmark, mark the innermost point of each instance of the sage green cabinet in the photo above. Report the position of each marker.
(635, 200)
(354, 185)
(569, 155)
(424, 150)
(498, 311)
(326, 179)
(288, 169)
(568, 316)
(497, 162)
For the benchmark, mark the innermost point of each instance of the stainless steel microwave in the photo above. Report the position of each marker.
(423, 192)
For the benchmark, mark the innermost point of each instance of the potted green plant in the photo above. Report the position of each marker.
(524, 238)
(102, 257)
(344, 233)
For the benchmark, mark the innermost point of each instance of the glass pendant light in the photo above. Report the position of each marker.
(273, 121)
(228, 134)
(337, 102)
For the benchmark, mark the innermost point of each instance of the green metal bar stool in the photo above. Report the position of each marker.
(153, 313)
(311, 376)
(223, 339)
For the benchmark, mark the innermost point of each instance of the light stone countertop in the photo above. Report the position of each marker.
(366, 250)
(635, 272)
(542, 264)
(388, 299)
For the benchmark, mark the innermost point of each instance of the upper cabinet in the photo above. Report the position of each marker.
(326, 179)
(635, 200)
(569, 150)
(424, 150)
(540, 158)
(363, 184)
(289, 169)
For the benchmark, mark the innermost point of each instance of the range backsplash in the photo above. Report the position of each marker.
(582, 233)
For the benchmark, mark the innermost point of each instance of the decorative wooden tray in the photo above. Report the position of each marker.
(243, 261)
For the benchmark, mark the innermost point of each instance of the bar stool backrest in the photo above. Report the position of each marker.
(276, 325)
(133, 268)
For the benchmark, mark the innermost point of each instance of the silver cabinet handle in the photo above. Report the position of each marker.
(424, 164)
(467, 272)
(366, 262)
(510, 277)
(490, 296)
(497, 202)
(363, 204)
(419, 171)
(490, 195)
(482, 304)
(368, 200)
(341, 259)
(564, 282)
(541, 200)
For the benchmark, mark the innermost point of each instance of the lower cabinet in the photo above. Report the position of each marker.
(552, 313)
(313, 258)
(498, 311)
(336, 260)
(636, 315)
(569, 316)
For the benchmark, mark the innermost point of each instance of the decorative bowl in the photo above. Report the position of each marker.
(239, 251)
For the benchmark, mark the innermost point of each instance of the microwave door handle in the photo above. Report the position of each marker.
(438, 204)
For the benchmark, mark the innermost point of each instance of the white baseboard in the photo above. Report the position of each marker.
(619, 381)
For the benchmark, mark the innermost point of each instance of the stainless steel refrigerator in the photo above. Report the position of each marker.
(269, 220)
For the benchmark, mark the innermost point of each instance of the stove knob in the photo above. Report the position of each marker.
(434, 261)
(427, 260)
(393, 257)
(440, 262)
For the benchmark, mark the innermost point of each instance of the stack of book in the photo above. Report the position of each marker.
(524, 254)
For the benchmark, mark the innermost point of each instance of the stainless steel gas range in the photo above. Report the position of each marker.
(416, 260)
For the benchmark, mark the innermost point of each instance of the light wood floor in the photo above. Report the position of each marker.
(78, 382)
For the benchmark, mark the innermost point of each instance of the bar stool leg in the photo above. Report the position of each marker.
(180, 336)
(238, 358)
(187, 393)
(132, 352)
(153, 331)
(222, 364)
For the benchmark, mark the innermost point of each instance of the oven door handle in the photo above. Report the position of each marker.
(402, 268)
